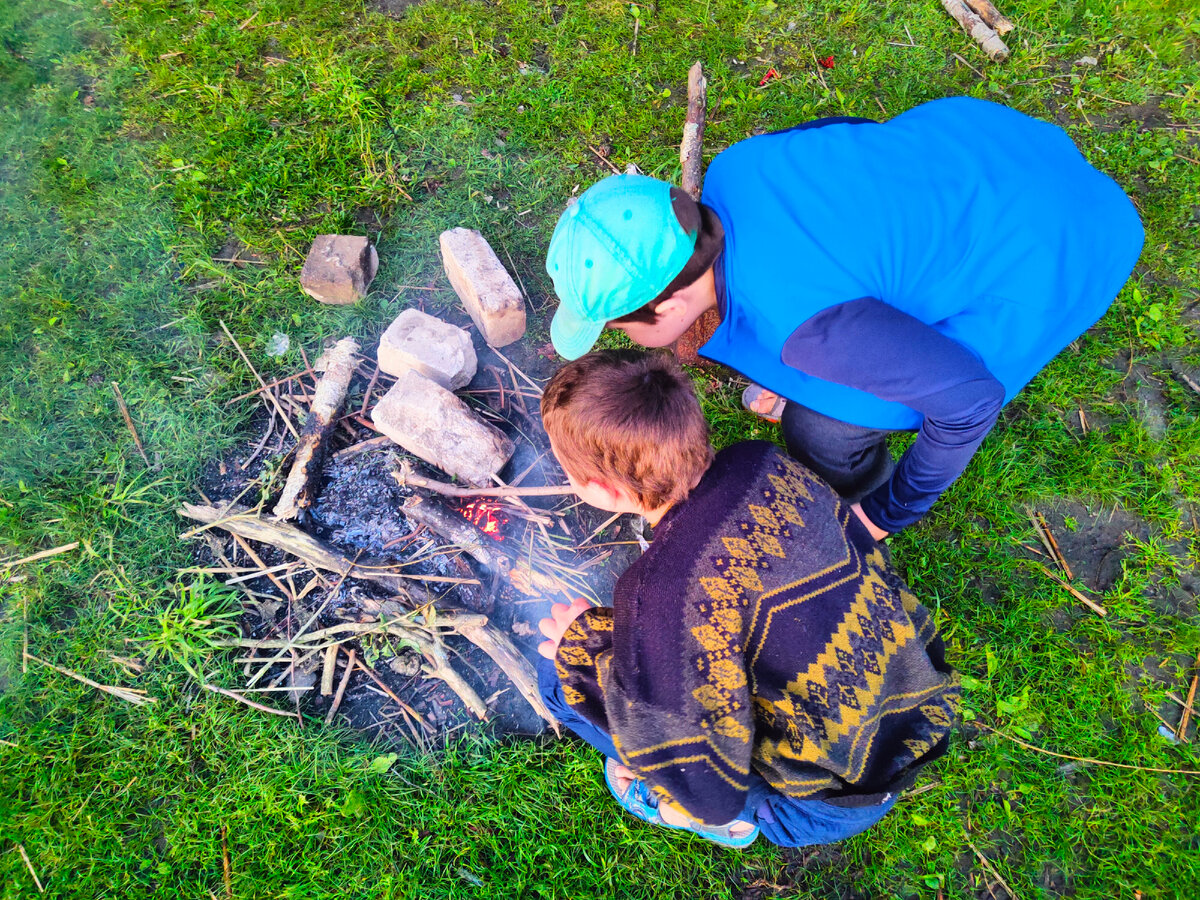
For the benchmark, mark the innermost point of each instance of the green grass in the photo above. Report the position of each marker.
(138, 139)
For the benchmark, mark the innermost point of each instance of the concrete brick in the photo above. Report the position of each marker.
(339, 268)
(423, 343)
(484, 286)
(427, 420)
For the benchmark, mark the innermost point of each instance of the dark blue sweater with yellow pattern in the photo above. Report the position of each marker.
(763, 631)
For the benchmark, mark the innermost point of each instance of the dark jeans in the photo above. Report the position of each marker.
(853, 459)
(786, 821)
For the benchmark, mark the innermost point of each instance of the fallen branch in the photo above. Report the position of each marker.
(974, 25)
(29, 865)
(242, 522)
(1085, 759)
(691, 161)
(274, 400)
(406, 477)
(41, 554)
(129, 695)
(137, 441)
(1082, 598)
(341, 688)
(691, 147)
(303, 481)
(1181, 732)
(510, 661)
(991, 16)
(287, 714)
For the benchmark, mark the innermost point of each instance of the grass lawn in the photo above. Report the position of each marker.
(143, 142)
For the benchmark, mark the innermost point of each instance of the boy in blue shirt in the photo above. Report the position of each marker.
(910, 275)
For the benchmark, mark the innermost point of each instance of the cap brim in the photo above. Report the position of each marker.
(571, 334)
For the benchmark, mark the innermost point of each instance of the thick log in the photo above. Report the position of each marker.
(991, 16)
(971, 22)
(303, 481)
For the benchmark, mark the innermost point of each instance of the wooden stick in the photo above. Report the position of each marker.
(1087, 601)
(137, 441)
(129, 695)
(328, 669)
(259, 706)
(1085, 759)
(341, 689)
(508, 362)
(987, 865)
(241, 522)
(381, 442)
(266, 393)
(407, 478)
(993, 18)
(1181, 732)
(691, 161)
(511, 662)
(370, 673)
(226, 867)
(1058, 554)
(979, 31)
(1037, 528)
(690, 148)
(303, 481)
(41, 554)
(29, 865)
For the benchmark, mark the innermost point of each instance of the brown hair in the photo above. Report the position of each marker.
(698, 219)
(628, 418)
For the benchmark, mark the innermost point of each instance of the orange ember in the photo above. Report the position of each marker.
(486, 516)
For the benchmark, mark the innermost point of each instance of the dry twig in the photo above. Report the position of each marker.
(41, 554)
(406, 477)
(137, 441)
(341, 688)
(259, 706)
(1085, 759)
(274, 400)
(29, 865)
(1181, 733)
(129, 695)
(1082, 598)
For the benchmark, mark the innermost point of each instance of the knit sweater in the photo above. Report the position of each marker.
(763, 631)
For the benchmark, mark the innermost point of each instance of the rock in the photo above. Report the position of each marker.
(484, 286)
(423, 343)
(339, 268)
(427, 420)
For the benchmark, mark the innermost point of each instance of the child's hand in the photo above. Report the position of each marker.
(876, 532)
(555, 627)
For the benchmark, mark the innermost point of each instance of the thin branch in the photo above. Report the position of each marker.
(1086, 759)
(407, 478)
(287, 714)
(129, 695)
(137, 441)
(42, 554)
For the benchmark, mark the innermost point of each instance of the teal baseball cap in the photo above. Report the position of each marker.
(613, 251)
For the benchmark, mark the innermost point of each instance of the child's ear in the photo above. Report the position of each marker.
(675, 305)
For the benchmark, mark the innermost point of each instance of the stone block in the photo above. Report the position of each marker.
(339, 268)
(430, 422)
(484, 286)
(423, 343)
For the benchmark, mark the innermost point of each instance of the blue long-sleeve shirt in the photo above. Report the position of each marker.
(906, 275)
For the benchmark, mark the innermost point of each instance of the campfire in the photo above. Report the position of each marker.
(376, 586)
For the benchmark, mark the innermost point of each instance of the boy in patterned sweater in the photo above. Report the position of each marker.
(762, 667)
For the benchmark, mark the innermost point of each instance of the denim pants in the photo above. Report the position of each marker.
(786, 821)
(854, 460)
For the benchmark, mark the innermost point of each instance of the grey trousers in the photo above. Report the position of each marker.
(853, 459)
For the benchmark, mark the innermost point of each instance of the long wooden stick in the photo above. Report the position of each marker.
(129, 695)
(691, 147)
(1082, 598)
(41, 554)
(406, 477)
(137, 441)
(287, 714)
(274, 400)
(29, 865)
(304, 479)
(1181, 732)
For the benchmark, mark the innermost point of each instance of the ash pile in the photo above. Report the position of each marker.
(398, 526)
